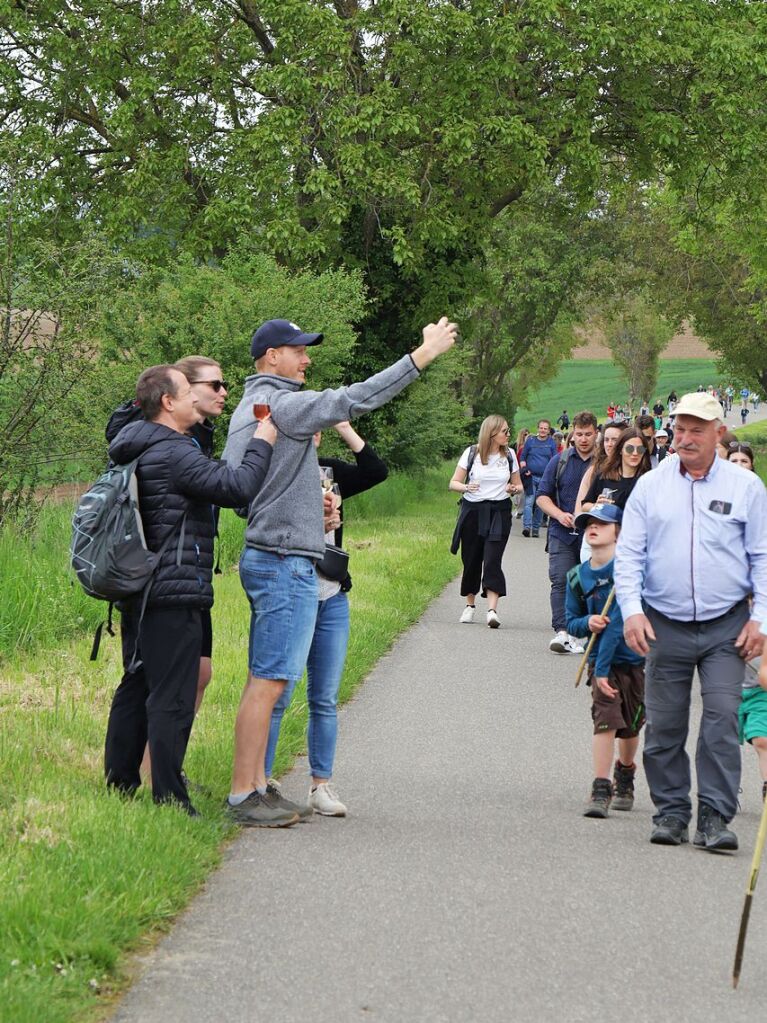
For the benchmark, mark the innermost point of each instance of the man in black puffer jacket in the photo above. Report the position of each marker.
(177, 485)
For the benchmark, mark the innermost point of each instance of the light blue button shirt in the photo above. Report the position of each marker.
(693, 548)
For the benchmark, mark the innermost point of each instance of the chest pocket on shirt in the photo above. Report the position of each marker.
(719, 528)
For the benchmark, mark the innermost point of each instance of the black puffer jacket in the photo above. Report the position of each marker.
(175, 477)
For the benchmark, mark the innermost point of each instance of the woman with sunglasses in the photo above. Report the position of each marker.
(741, 454)
(486, 475)
(628, 460)
(611, 434)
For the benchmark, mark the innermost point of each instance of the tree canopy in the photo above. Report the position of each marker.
(408, 141)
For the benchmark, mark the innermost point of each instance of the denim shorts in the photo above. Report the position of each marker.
(282, 591)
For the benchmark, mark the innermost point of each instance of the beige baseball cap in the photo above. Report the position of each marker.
(700, 405)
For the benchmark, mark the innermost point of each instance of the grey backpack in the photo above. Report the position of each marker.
(108, 550)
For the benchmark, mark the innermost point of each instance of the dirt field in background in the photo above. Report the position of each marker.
(685, 345)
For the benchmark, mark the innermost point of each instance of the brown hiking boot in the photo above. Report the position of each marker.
(623, 786)
(601, 795)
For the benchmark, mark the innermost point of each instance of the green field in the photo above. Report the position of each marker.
(580, 384)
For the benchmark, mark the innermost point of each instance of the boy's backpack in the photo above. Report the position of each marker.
(575, 583)
(108, 550)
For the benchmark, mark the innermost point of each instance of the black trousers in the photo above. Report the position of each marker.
(155, 702)
(482, 556)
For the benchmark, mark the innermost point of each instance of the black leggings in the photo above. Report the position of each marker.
(482, 557)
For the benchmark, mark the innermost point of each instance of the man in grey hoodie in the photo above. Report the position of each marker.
(285, 535)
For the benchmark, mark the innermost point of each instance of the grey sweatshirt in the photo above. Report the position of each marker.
(286, 515)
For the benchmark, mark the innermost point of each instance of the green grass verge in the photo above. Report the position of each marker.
(756, 436)
(86, 876)
(581, 384)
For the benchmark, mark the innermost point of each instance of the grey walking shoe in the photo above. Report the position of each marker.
(669, 831)
(275, 798)
(601, 796)
(256, 812)
(712, 832)
(623, 786)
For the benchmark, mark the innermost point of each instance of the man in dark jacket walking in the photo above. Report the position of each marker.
(177, 485)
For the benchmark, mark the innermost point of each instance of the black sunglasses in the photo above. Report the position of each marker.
(217, 385)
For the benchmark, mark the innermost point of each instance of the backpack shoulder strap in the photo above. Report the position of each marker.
(564, 458)
(574, 582)
(472, 456)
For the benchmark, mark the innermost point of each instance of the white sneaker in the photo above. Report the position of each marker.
(575, 646)
(468, 615)
(325, 801)
(559, 643)
(493, 620)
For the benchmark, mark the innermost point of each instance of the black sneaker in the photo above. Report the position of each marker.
(257, 812)
(601, 795)
(525, 532)
(623, 786)
(275, 798)
(669, 831)
(713, 833)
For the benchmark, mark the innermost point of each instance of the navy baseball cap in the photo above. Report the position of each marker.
(276, 333)
(603, 512)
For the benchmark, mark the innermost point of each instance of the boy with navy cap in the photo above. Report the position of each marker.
(616, 673)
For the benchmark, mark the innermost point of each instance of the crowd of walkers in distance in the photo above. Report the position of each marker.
(656, 539)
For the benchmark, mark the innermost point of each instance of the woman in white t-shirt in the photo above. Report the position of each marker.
(486, 475)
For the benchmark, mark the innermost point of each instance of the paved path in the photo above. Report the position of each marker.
(733, 419)
(466, 885)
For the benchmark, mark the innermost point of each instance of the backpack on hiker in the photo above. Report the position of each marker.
(108, 550)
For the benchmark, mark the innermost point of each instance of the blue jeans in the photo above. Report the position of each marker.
(533, 515)
(282, 591)
(562, 557)
(323, 677)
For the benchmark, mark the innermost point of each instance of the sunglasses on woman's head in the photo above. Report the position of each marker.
(217, 385)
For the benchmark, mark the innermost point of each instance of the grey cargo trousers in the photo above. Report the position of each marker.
(680, 648)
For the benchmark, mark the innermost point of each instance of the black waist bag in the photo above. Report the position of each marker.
(335, 563)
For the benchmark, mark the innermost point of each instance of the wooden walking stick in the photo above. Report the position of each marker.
(592, 641)
(750, 888)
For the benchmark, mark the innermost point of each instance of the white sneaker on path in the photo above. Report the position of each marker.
(468, 615)
(559, 643)
(324, 800)
(575, 646)
(493, 620)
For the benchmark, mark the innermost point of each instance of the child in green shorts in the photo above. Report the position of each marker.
(753, 717)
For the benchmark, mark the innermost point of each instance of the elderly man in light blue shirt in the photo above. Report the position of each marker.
(691, 581)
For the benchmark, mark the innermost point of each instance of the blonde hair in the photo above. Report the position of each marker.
(490, 426)
(191, 364)
(522, 436)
